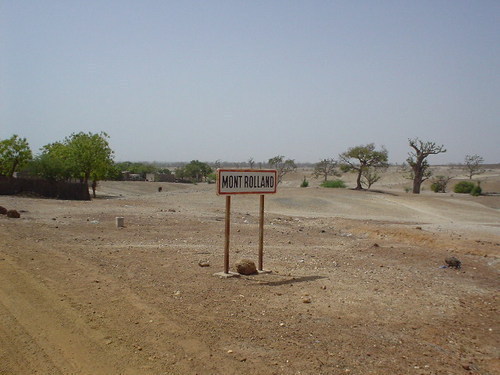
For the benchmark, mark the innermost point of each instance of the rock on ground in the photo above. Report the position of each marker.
(246, 267)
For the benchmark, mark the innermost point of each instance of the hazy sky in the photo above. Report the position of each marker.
(230, 80)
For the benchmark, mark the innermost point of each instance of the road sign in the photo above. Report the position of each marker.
(246, 181)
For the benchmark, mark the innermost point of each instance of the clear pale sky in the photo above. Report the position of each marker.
(230, 80)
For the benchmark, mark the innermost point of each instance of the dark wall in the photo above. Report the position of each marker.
(44, 188)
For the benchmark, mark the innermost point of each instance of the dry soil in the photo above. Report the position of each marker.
(357, 283)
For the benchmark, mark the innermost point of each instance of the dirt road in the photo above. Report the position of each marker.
(356, 285)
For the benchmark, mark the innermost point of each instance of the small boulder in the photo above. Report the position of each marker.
(204, 263)
(453, 262)
(3, 210)
(246, 267)
(13, 214)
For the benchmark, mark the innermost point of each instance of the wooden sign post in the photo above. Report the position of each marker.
(245, 181)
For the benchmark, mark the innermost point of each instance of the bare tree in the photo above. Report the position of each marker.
(418, 163)
(282, 166)
(473, 165)
(325, 168)
(251, 163)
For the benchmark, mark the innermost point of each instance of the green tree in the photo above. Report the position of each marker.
(141, 168)
(325, 168)
(52, 163)
(417, 161)
(282, 166)
(15, 153)
(164, 171)
(115, 173)
(89, 155)
(473, 165)
(370, 176)
(195, 171)
(360, 158)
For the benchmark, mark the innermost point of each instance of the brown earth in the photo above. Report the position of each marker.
(357, 284)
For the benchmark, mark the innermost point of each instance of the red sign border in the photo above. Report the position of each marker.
(218, 182)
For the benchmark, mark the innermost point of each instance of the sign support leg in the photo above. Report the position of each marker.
(227, 233)
(261, 234)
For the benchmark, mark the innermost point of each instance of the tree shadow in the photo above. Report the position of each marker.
(376, 191)
(105, 197)
(383, 192)
(287, 281)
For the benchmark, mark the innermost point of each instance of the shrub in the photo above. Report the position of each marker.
(439, 184)
(3, 210)
(334, 184)
(211, 178)
(436, 188)
(464, 187)
(304, 183)
(476, 191)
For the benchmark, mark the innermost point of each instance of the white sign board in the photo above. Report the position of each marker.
(246, 181)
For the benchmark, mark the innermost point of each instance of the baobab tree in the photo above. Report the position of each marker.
(417, 160)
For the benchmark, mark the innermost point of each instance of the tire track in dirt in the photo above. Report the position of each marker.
(80, 340)
(19, 353)
(28, 310)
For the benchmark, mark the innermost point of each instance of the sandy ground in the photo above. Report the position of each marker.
(357, 284)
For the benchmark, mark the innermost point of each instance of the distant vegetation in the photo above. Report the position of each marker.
(88, 158)
(476, 190)
(468, 187)
(195, 171)
(464, 187)
(333, 184)
(136, 168)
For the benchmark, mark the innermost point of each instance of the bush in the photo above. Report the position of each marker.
(476, 191)
(304, 183)
(211, 178)
(436, 188)
(439, 184)
(464, 187)
(334, 184)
